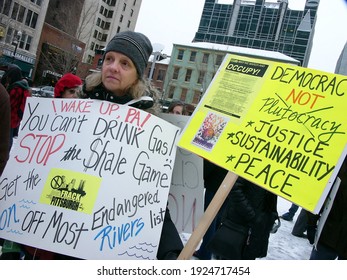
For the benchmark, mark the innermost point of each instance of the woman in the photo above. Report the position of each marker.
(178, 108)
(121, 81)
(68, 86)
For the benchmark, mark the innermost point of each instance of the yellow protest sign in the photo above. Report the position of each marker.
(280, 126)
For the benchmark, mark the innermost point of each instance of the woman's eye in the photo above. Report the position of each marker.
(125, 64)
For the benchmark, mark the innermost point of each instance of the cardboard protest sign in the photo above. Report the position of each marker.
(186, 197)
(280, 126)
(88, 178)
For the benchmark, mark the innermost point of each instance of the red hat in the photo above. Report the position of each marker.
(67, 81)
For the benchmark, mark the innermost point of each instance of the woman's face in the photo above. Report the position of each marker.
(177, 110)
(118, 73)
(71, 92)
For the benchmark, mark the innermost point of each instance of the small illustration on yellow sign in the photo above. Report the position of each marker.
(71, 190)
(209, 131)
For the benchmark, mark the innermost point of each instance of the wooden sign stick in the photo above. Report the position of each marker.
(206, 220)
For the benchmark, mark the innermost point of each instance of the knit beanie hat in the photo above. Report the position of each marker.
(134, 45)
(67, 81)
(12, 75)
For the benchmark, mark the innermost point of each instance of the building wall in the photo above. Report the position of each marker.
(28, 19)
(208, 57)
(261, 25)
(101, 20)
(341, 64)
(55, 41)
(158, 75)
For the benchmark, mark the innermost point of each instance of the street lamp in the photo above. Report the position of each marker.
(16, 42)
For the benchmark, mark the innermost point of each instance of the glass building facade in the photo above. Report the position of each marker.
(260, 24)
(341, 64)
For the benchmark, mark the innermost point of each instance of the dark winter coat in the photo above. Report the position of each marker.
(19, 91)
(213, 176)
(334, 232)
(249, 217)
(4, 127)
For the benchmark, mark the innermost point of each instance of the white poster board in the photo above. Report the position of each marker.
(326, 209)
(186, 197)
(88, 178)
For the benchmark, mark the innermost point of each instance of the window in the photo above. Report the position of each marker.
(92, 45)
(9, 35)
(188, 75)
(219, 59)
(183, 94)
(121, 18)
(7, 8)
(21, 40)
(124, 7)
(37, 2)
(192, 56)
(161, 75)
(180, 54)
(129, 22)
(175, 73)
(196, 97)
(21, 14)
(15, 10)
(171, 91)
(31, 19)
(131, 12)
(90, 59)
(28, 43)
(28, 18)
(34, 20)
(201, 77)
(205, 58)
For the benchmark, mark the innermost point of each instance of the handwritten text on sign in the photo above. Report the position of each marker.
(89, 179)
(278, 125)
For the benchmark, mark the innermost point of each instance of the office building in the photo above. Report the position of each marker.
(193, 66)
(260, 24)
(21, 23)
(341, 64)
(48, 38)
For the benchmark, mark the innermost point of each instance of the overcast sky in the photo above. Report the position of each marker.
(175, 21)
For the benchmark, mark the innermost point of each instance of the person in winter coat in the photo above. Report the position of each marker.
(246, 224)
(5, 124)
(213, 177)
(332, 243)
(18, 90)
(68, 86)
(121, 81)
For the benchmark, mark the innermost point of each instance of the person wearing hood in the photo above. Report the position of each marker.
(121, 81)
(18, 90)
(68, 86)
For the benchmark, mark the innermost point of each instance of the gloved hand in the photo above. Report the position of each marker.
(311, 233)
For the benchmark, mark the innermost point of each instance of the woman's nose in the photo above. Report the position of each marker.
(115, 65)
